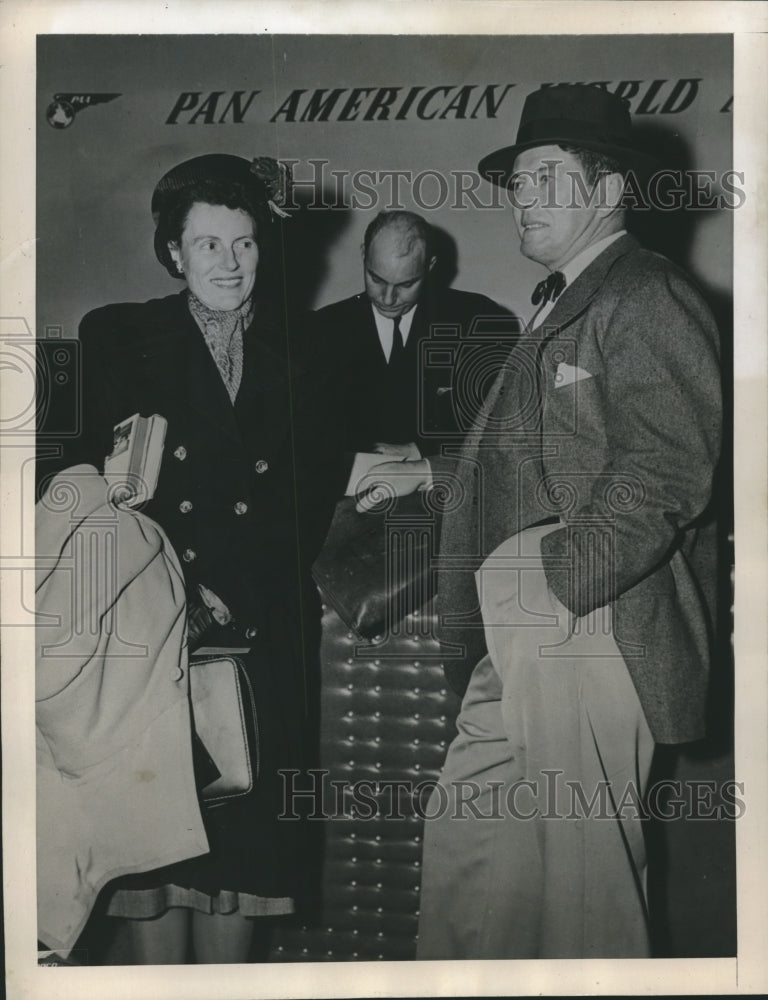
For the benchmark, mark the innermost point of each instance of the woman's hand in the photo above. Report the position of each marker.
(200, 622)
(409, 451)
(392, 479)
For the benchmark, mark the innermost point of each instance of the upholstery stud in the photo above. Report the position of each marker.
(389, 701)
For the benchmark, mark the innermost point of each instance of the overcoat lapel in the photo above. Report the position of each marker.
(260, 417)
(577, 297)
(263, 404)
(206, 393)
(570, 306)
(176, 376)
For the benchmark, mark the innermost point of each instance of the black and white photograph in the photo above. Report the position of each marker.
(384, 541)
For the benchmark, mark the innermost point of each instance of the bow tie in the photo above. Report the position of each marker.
(549, 288)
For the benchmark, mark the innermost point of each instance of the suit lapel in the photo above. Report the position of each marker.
(374, 352)
(573, 302)
(419, 323)
(577, 296)
(365, 335)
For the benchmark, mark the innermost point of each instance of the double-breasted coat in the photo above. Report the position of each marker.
(245, 495)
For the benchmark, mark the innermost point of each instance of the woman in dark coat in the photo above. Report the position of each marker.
(245, 495)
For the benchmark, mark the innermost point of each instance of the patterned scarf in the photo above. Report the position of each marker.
(223, 332)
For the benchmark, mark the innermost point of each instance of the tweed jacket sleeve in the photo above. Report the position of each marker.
(650, 346)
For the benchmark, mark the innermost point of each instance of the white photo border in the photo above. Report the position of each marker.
(745, 974)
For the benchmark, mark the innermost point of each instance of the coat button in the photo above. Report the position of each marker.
(180, 453)
(241, 507)
(189, 555)
(185, 506)
(261, 466)
(251, 632)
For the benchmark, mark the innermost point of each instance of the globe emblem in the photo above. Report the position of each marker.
(60, 114)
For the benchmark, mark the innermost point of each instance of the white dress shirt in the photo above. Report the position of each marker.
(385, 328)
(573, 269)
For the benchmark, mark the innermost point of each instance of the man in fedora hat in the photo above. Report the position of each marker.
(570, 614)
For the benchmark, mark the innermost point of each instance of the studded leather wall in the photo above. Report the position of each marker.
(387, 717)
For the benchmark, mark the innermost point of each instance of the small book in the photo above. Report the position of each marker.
(132, 468)
(363, 462)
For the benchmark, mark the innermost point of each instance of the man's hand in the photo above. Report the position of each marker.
(392, 479)
(409, 451)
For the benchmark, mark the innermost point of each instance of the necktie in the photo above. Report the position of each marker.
(397, 343)
(549, 288)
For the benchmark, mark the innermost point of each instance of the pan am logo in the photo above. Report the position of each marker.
(61, 112)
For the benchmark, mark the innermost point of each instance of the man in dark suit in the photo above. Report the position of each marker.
(396, 402)
(569, 607)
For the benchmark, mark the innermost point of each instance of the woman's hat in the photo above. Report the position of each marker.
(266, 180)
(572, 115)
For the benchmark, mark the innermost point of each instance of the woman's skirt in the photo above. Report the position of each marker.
(258, 846)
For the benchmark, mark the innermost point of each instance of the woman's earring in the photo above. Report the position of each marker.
(179, 267)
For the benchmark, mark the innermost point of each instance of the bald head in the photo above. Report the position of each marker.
(397, 259)
(408, 226)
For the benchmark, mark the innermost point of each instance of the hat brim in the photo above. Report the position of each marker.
(498, 166)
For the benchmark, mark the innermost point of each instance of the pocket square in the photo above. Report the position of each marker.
(568, 374)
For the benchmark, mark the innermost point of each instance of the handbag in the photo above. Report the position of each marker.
(375, 568)
(225, 727)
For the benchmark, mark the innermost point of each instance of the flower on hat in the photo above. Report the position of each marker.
(276, 178)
